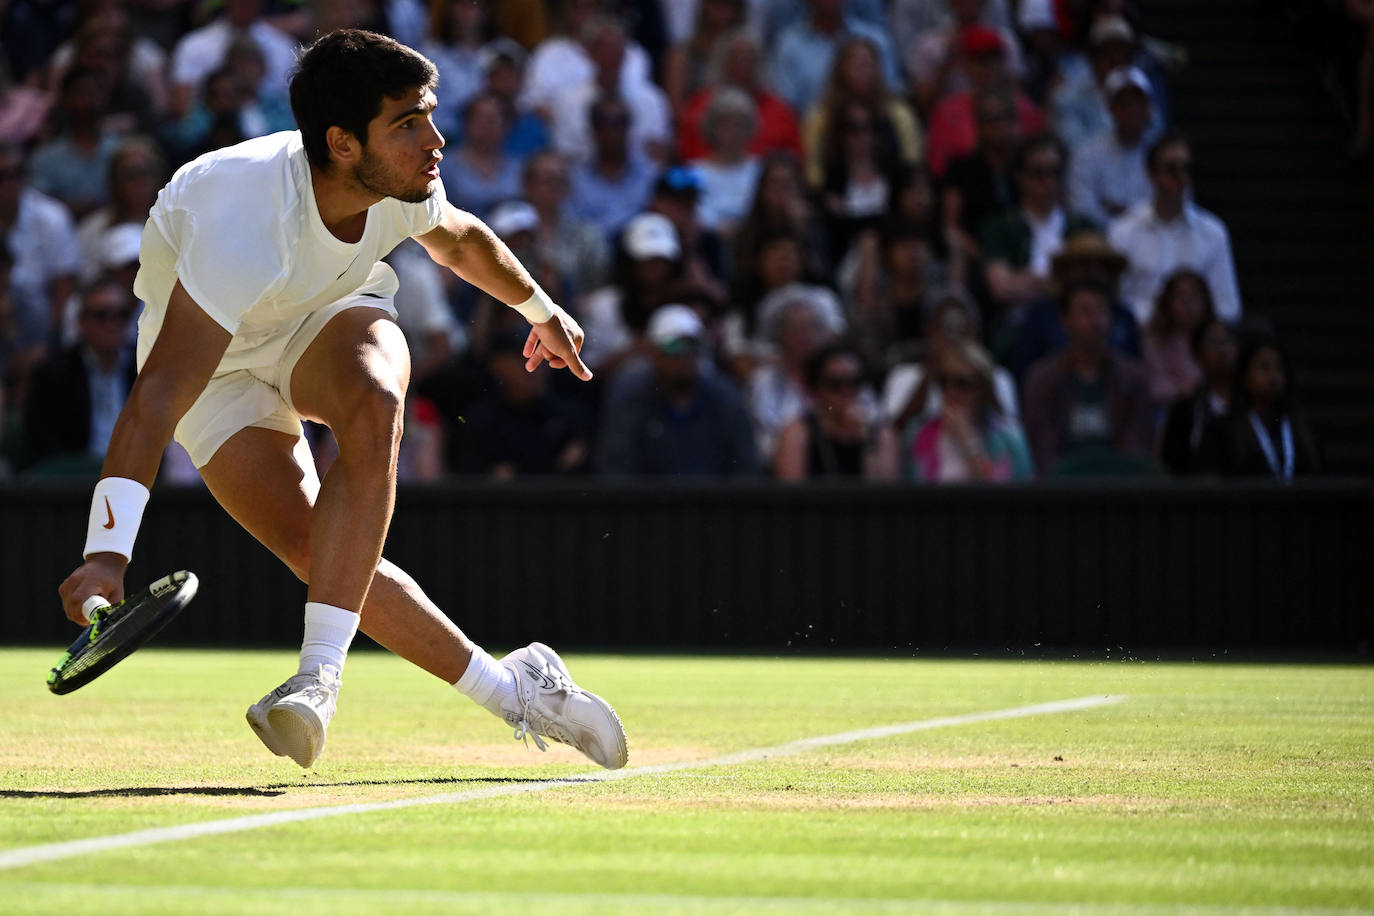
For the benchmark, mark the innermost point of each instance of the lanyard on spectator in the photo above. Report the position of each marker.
(1267, 446)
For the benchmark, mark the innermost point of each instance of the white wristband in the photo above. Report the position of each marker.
(116, 510)
(538, 308)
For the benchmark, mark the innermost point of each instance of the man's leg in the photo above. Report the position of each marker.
(266, 481)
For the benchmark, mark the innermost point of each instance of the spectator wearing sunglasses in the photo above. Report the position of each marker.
(77, 393)
(971, 439)
(1168, 232)
(843, 434)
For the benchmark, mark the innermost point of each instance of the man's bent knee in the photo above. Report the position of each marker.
(371, 426)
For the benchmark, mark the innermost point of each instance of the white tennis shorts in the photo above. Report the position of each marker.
(261, 395)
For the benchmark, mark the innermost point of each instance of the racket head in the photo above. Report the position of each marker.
(116, 631)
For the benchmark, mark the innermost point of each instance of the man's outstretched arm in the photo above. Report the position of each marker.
(467, 246)
(184, 356)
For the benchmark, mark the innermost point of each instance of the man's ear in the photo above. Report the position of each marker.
(343, 145)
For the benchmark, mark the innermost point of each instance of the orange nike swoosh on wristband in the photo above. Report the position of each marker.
(110, 523)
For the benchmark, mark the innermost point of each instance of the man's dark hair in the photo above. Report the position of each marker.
(1171, 137)
(816, 362)
(341, 80)
(1032, 145)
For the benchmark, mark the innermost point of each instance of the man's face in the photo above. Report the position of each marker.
(546, 183)
(1131, 113)
(1171, 173)
(104, 318)
(1088, 319)
(610, 127)
(401, 156)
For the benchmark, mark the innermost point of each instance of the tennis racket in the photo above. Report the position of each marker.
(117, 630)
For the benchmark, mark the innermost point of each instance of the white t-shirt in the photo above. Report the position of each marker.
(240, 228)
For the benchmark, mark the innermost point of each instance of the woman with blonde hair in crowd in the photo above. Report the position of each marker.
(970, 440)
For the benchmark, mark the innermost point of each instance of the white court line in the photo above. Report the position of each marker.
(51, 852)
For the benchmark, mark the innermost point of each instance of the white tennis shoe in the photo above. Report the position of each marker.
(292, 719)
(548, 703)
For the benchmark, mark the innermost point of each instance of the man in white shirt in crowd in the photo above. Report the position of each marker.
(1107, 173)
(266, 303)
(1169, 231)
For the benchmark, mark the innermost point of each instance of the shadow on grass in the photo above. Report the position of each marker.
(268, 791)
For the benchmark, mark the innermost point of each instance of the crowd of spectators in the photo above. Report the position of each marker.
(921, 240)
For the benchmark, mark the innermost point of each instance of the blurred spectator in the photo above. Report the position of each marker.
(860, 169)
(262, 110)
(912, 390)
(1043, 38)
(886, 280)
(970, 439)
(729, 172)
(686, 66)
(577, 251)
(1107, 173)
(648, 275)
(23, 109)
(458, 31)
(216, 118)
(1263, 432)
(16, 359)
(649, 132)
(779, 203)
(72, 164)
(422, 312)
(736, 65)
(615, 185)
(768, 18)
(981, 184)
(804, 49)
(678, 420)
(136, 172)
(201, 52)
(841, 434)
(1087, 409)
(938, 57)
(1019, 244)
(517, 428)
(777, 389)
(131, 68)
(1214, 348)
(30, 30)
(1078, 105)
(913, 20)
(1184, 303)
(78, 393)
(856, 80)
(525, 21)
(956, 125)
(42, 242)
(1169, 231)
(479, 174)
(1039, 330)
(677, 195)
(561, 63)
(503, 63)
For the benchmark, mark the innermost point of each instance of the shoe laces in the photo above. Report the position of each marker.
(532, 724)
(324, 684)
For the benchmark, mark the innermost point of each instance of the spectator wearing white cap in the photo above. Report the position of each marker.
(614, 316)
(678, 420)
(1107, 174)
(1078, 106)
(1168, 231)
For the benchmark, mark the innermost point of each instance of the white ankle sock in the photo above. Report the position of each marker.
(487, 682)
(329, 631)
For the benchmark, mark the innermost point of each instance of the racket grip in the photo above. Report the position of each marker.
(93, 604)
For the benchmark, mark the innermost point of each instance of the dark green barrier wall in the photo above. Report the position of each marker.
(767, 566)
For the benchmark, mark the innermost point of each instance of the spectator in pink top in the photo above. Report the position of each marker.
(1184, 303)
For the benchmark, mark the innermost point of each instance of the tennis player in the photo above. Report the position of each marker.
(267, 302)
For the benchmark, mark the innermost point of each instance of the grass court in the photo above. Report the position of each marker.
(1181, 787)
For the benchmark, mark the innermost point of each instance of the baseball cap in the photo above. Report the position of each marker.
(675, 329)
(1111, 28)
(977, 40)
(1124, 78)
(119, 245)
(513, 216)
(651, 235)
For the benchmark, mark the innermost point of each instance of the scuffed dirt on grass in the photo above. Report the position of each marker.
(787, 798)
